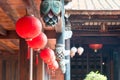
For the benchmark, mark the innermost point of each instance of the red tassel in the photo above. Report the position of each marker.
(36, 59)
(28, 53)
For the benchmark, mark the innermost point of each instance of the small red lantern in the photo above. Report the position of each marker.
(96, 46)
(54, 65)
(38, 42)
(50, 62)
(28, 27)
(47, 55)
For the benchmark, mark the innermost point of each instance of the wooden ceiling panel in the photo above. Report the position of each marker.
(18, 6)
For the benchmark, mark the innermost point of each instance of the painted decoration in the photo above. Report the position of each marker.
(50, 11)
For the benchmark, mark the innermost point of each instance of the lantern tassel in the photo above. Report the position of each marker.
(36, 59)
(28, 53)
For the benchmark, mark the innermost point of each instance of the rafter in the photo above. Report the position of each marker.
(9, 10)
(15, 42)
(3, 31)
(32, 8)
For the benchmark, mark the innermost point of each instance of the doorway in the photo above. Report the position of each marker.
(105, 60)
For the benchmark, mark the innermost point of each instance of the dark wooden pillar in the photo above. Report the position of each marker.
(23, 65)
(39, 70)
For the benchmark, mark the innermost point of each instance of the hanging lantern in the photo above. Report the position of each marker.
(54, 65)
(50, 62)
(28, 27)
(95, 46)
(38, 42)
(73, 51)
(80, 50)
(47, 55)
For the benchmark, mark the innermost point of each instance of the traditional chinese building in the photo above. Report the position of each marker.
(70, 25)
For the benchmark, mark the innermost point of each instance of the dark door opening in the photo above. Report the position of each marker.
(105, 61)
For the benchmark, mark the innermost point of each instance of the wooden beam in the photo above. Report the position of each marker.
(79, 34)
(93, 12)
(4, 52)
(3, 31)
(10, 35)
(9, 10)
(94, 17)
(96, 39)
(7, 48)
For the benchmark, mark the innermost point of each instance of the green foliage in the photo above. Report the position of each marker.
(95, 76)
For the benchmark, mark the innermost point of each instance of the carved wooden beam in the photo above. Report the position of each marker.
(3, 31)
(7, 48)
(9, 10)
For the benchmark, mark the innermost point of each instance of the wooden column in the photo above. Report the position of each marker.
(39, 70)
(23, 62)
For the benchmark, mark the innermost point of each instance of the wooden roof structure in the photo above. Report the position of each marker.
(93, 5)
(94, 21)
(84, 22)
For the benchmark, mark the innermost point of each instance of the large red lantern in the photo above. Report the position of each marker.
(47, 55)
(38, 42)
(95, 46)
(28, 27)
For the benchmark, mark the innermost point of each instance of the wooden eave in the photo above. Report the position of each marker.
(92, 12)
(12, 10)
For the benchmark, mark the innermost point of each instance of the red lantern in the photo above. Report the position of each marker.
(38, 42)
(47, 55)
(28, 27)
(54, 65)
(50, 62)
(96, 46)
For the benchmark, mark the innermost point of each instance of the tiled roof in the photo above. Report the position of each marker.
(93, 5)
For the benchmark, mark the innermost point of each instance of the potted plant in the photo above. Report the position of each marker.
(95, 76)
